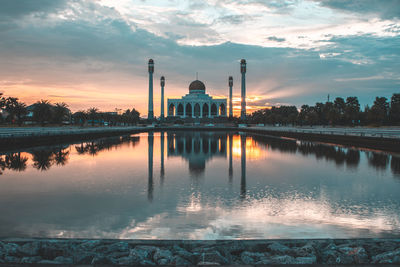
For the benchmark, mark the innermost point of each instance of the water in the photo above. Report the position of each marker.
(199, 185)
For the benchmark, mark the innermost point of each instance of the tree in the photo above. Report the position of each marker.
(80, 117)
(394, 113)
(92, 114)
(352, 110)
(2, 101)
(42, 112)
(15, 109)
(379, 111)
(340, 107)
(60, 112)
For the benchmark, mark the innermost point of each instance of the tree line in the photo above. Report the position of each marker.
(13, 111)
(339, 112)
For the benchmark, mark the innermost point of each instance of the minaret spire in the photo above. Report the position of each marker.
(243, 102)
(150, 114)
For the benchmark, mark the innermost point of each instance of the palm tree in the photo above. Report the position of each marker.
(15, 109)
(92, 114)
(80, 117)
(42, 111)
(60, 112)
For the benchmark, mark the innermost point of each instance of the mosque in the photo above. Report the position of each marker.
(197, 104)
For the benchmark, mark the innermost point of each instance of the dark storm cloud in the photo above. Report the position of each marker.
(386, 9)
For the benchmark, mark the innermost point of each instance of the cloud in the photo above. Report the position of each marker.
(13, 9)
(276, 39)
(387, 9)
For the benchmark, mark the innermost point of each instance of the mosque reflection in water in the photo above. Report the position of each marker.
(197, 148)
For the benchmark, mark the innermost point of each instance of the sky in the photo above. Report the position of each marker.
(95, 53)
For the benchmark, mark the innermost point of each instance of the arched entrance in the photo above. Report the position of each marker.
(197, 110)
(222, 110)
(205, 110)
(180, 110)
(171, 110)
(213, 110)
(188, 110)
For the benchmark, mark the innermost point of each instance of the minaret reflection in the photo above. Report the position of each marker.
(150, 185)
(162, 171)
(197, 148)
(230, 171)
(243, 166)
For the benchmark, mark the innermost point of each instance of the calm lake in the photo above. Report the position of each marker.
(199, 185)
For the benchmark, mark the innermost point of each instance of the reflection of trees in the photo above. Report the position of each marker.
(13, 161)
(378, 160)
(96, 146)
(61, 157)
(42, 159)
(395, 165)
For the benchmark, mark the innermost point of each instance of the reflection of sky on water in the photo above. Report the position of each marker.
(199, 186)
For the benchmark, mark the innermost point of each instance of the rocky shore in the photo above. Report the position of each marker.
(232, 252)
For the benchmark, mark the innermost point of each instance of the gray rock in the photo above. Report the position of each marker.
(48, 262)
(246, 259)
(89, 245)
(278, 248)
(235, 248)
(208, 263)
(252, 257)
(83, 257)
(116, 255)
(51, 250)
(147, 262)
(118, 247)
(358, 254)
(102, 260)
(213, 256)
(177, 260)
(145, 252)
(186, 255)
(64, 260)
(30, 248)
(34, 259)
(304, 251)
(282, 259)
(386, 257)
(162, 256)
(11, 249)
(128, 261)
(12, 259)
(306, 260)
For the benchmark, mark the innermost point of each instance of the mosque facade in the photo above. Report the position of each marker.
(197, 104)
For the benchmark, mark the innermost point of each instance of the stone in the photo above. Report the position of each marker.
(278, 248)
(11, 249)
(282, 259)
(64, 260)
(358, 254)
(34, 259)
(89, 245)
(162, 254)
(252, 257)
(145, 252)
(83, 257)
(116, 255)
(48, 262)
(51, 250)
(102, 260)
(118, 247)
(128, 260)
(147, 262)
(213, 256)
(306, 260)
(186, 255)
(12, 259)
(386, 257)
(177, 260)
(304, 251)
(30, 248)
(208, 263)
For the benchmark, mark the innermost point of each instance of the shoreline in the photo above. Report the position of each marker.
(200, 252)
(385, 140)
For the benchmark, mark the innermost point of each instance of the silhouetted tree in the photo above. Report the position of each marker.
(61, 157)
(352, 110)
(16, 162)
(17, 110)
(42, 112)
(92, 114)
(80, 117)
(60, 112)
(379, 111)
(394, 113)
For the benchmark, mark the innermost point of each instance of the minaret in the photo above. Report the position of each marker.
(162, 97)
(230, 170)
(230, 97)
(150, 115)
(243, 71)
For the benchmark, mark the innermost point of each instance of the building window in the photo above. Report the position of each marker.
(222, 110)
(205, 110)
(213, 110)
(180, 110)
(171, 110)
(188, 110)
(197, 110)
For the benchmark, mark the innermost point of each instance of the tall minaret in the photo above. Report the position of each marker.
(243, 71)
(150, 115)
(230, 97)
(162, 97)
